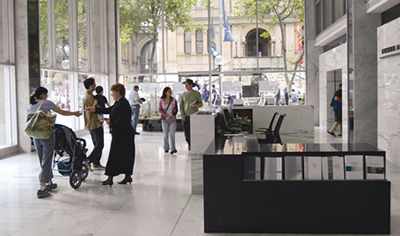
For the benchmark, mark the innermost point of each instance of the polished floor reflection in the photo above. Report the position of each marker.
(159, 201)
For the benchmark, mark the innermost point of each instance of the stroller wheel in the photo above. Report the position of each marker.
(75, 179)
(84, 172)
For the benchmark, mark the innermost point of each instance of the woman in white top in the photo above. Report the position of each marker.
(45, 147)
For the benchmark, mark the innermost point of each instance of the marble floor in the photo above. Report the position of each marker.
(159, 201)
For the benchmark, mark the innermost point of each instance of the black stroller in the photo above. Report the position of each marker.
(73, 166)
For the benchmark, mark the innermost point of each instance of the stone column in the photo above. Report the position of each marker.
(111, 42)
(23, 81)
(312, 60)
(365, 73)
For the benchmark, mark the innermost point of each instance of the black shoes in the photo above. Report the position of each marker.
(51, 186)
(126, 180)
(109, 181)
(333, 134)
(166, 151)
(174, 151)
(43, 193)
(137, 133)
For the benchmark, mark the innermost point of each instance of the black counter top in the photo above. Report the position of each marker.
(239, 145)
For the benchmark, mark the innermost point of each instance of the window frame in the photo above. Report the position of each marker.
(199, 42)
(187, 42)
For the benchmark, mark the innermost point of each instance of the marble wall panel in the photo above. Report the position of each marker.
(388, 92)
(202, 130)
(311, 60)
(365, 73)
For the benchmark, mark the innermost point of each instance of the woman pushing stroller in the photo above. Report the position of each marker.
(45, 147)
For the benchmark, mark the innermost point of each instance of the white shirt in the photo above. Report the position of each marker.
(294, 96)
(133, 97)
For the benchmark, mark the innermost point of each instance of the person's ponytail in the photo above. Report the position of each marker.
(36, 95)
(32, 99)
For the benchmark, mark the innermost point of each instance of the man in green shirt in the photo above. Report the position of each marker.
(190, 103)
(93, 124)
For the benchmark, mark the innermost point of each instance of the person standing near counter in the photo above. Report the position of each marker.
(134, 101)
(190, 103)
(338, 112)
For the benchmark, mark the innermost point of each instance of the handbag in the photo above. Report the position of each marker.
(40, 124)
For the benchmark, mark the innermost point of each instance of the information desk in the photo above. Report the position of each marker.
(234, 203)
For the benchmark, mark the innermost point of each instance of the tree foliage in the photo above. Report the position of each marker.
(278, 11)
(144, 17)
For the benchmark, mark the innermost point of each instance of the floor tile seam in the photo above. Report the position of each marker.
(180, 216)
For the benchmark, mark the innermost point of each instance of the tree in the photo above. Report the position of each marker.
(278, 11)
(144, 17)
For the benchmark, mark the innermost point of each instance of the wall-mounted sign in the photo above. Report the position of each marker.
(389, 51)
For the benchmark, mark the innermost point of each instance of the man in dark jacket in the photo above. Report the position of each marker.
(338, 112)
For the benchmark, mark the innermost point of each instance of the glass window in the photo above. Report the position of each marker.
(273, 48)
(82, 35)
(188, 42)
(327, 13)
(199, 42)
(58, 84)
(318, 17)
(8, 130)
(62, 34)
(337, 9)
(44, 33)
(99, 32)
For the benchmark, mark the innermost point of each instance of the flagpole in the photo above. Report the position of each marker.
(220, 48)
(209, 50)
(220, 28)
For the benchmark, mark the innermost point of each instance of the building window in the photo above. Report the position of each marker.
(199, 42)
(188, 43)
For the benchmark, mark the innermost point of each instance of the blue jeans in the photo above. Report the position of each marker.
(135, 116)
(98, 143)
(45, 149)
(169, 128)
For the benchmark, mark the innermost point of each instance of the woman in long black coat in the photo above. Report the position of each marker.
(122, 152)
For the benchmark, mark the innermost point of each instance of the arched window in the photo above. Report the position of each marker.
(199, 42)
(188, 42)
(264, 44)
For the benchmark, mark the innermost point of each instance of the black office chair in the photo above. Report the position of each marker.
(277, 128)
(269, 135)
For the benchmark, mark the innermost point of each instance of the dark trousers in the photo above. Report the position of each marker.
(287, 99)
(98, 143)
(186, 129)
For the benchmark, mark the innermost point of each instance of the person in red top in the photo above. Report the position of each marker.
(168, 108)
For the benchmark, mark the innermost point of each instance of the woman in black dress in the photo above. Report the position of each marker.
(122, 151)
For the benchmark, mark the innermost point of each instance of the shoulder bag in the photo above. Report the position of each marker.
(40, 124)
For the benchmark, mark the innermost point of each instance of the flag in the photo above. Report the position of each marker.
(213, 43)
(228, 32)
(299, 40)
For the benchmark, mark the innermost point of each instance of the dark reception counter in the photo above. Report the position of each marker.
(295, 188)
